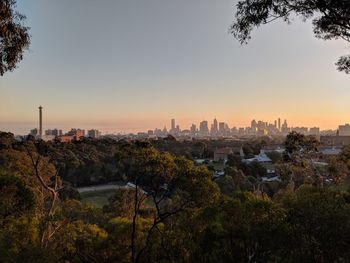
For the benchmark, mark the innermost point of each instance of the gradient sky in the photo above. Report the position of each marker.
(130, 65)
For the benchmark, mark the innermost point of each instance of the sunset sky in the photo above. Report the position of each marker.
(127, 65)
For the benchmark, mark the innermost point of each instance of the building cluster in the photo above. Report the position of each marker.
(340, 139)
(221, 129)
(71, 135)
(57, 134)
(205, 129)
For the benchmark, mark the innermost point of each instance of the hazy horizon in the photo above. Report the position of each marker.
(133, 65)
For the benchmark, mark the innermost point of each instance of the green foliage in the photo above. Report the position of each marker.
(181, 215)
(275, 156)
(14, 36)
(297, 144)
(320, 226)
(330, 19)
(16, 198)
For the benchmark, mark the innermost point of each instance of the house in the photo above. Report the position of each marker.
(219, 174)
(65, 138)
(260, 158)
(222, 154)
(271, 179)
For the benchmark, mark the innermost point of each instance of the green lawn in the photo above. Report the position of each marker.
(97, 198)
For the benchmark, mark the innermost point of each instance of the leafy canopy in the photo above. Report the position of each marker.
(14, 36)
(330, 18)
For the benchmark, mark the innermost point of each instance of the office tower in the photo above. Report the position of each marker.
(275, 124)
(193, 129)
(221, 127)
(214, 127)
(279, 124)
(173, 124)
(203, 128)
(254, 126)
(40, 122)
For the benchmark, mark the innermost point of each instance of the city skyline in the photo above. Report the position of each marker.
(212, 127)
(150, 68)
(124, 128)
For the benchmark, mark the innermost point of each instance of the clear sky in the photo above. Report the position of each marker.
(130, 65)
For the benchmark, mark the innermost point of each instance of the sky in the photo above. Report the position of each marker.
(132, 65)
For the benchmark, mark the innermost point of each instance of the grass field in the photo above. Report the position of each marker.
(97, 198)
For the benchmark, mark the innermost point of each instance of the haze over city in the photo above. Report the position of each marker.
(157, 60)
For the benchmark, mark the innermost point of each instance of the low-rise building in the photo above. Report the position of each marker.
(94, 133)
(76, 133)
(222, 154)
(65, 138)
(260, 158)
(336, 141)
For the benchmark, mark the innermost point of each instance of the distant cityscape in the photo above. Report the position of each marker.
(204, 130)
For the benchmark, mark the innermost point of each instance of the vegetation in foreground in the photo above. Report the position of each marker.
(176, 212)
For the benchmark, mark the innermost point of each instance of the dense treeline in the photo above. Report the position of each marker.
(175, 212)
(90, 161)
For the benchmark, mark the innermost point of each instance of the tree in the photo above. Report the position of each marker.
(319, 224)
(16, 197)
(14, 36)
(245, 228)
(331, 19)
(298, 145)
(171, 184)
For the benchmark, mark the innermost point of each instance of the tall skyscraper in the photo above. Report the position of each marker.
(279, 124)
(193, 129)
(203, 128)
(173, 126)
(214, 127)
(40, 122)
(221, 128)
(254, 126)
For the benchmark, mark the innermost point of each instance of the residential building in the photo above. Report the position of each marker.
(344, 130)
(222, 154)
(94, 133)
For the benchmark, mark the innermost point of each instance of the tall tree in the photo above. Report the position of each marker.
(330, 18)
(14, 36)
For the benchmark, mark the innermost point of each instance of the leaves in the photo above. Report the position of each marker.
(14, 36)
(331, 19)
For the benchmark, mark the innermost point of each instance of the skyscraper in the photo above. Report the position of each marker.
(254, 126)
(279, 124)
(221, 128)
(173, 124)
(203, 128)
(214, 127)
(193, 129)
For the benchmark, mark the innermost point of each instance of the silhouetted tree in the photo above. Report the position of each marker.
(14, 36)
(331, 19)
